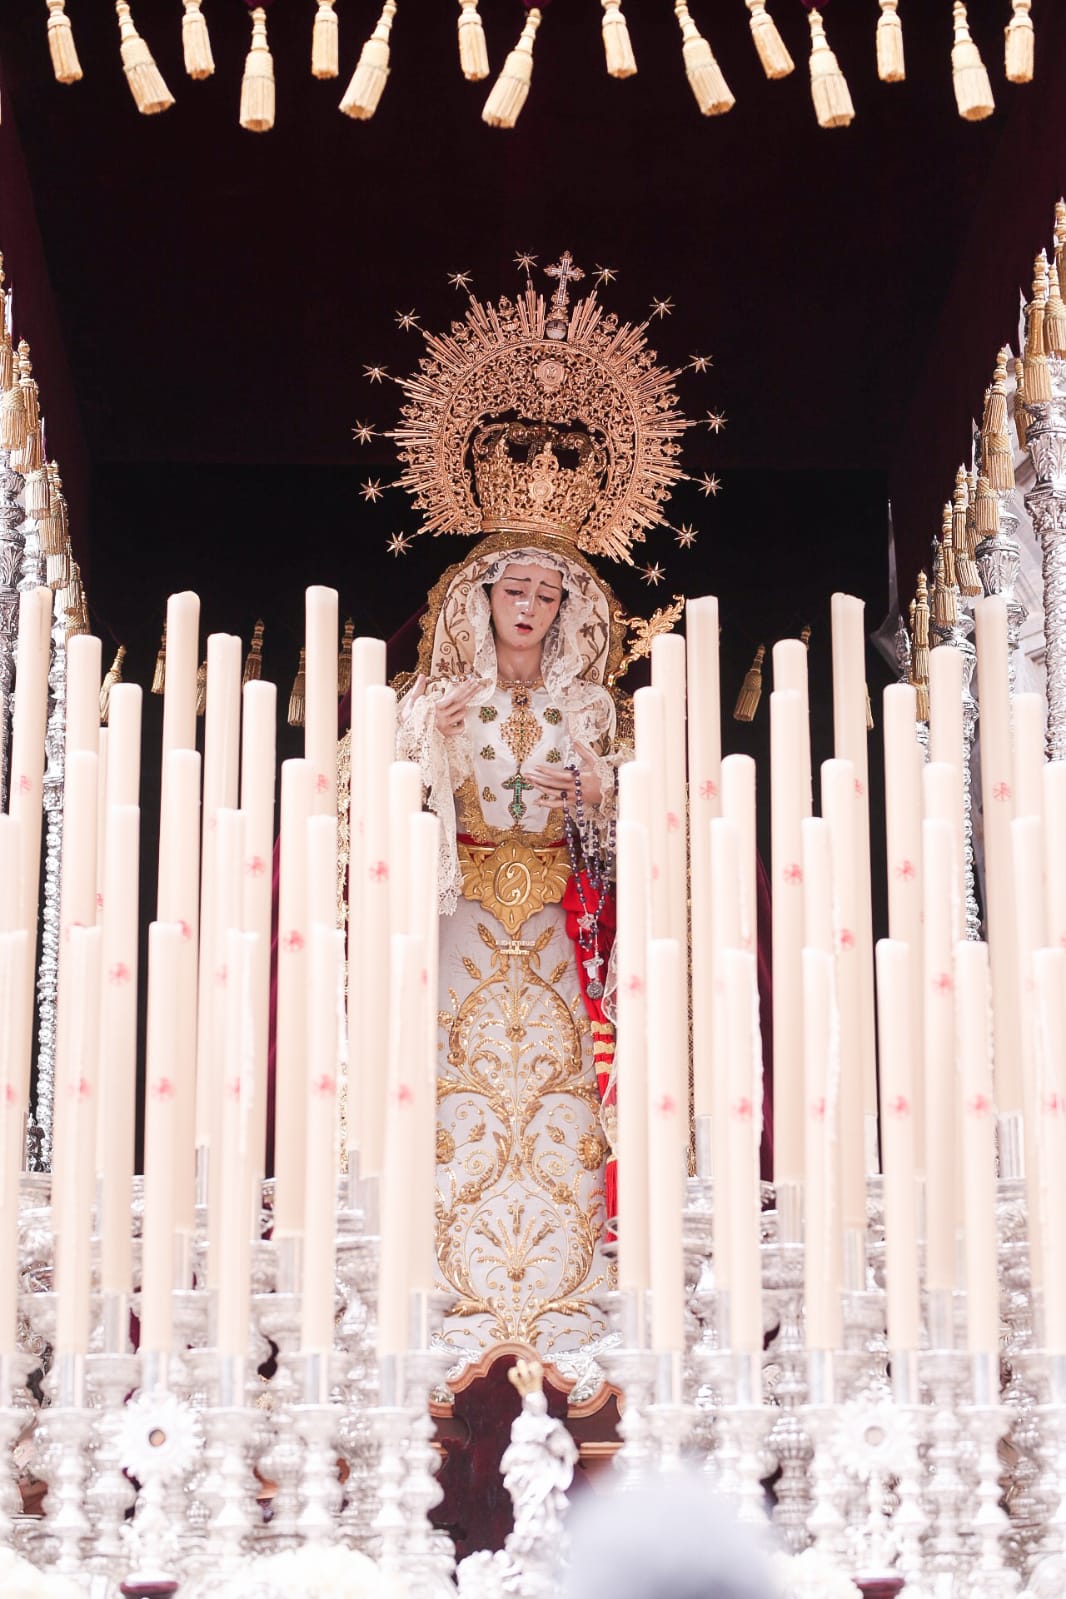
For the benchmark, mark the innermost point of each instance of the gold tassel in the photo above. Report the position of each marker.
(829, 87)
(201, 688)
(325, 49)
(253, 663)
(77, 609)
(997, 457)
(920, 647)
(1054, 316)
(805, 635)
(257, 85)
(368, 80)
(196, 41)
(966, 572)
(296, 698)
(706, 79)
(1019, 33)
(869, 711)
(344, 663)
(150, 93)
(772, 49)
(511, 90)
(973, 92)
(945, 608)
(38, 499)
(13, 418)
(61, 46)
(473, 51)
(986, 512)
(1020, 402)
(112, 676)
(1060, 234)
(617, 45)
(57, 570)
(28, 386)
(750, 690)
(50, 523)
(7, 359)
(891, 67)
(159, 676)
(1037, 376)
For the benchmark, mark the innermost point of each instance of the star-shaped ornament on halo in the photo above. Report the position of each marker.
(699, 363)
(709, 484)
(459, 280)
(605, 274)
(653, 574)
(399, 543)
(716, 421)
(525, 262)
(407, 320)
(362, 432)
(375, 374)
(371, 489)
(661, 308)
(686, 535)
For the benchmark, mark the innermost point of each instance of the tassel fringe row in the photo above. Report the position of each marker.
(257, 85)
(772, 50)
(829, 87)
(473, 51)
(511, 90)
(368, 80)
(61, 46)
(196, 42)
(149, 91)
(621, 62)
(891, 67)
(706, 79)
(325, 45)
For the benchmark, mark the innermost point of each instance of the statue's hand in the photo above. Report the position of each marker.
(450, 717)
(557, 783)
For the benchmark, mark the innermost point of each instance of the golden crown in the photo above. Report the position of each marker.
(542, 416)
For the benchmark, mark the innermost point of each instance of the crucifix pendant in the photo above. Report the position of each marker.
(518, 786)
(594, 988)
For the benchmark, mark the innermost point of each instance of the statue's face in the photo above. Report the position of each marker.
(525, 602)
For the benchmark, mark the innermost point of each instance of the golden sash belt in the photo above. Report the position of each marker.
(513, 879)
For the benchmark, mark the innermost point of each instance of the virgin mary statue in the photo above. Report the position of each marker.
(546, 427)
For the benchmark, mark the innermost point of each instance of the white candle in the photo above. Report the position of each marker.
(1055, 852)
(790, 676)
(237, 1154)
(118, 1058)
(320, 714)
(77, 908)
(222, 721)
(101, 821)
(974, 1054)
(405, 801)
(423, 849)
(74, 1184)
(290, 1084)
(1050, 970)
(165, 943)
(10, 836)
(18, 1002)
(1029, 716)
(1031, 935)
(849, 744)
(667, 1131)
(396, 1275)
(838, 804)
(903, 838)
(258, 777)
(322, 870)
(704, 802)
(738, 804)
(821, 1069)
(668, 674)
(817, 885)
(725, 935)
(14, 1050)
(320, 1197)
(649, 720)
(27, 749)
(745, 1123)
(181, 662)
(947, 748)
(897, 1134)
(631, 1055)
(178, 903)
(370, 954)
(787, 810)
(124, 745)
(226, 911)
(368, 670)
(997, 795)
(939, 1159)
(83, 693)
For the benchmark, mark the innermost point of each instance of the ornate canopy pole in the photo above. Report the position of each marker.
(1045, 413)
(998, 553)
(11, 543)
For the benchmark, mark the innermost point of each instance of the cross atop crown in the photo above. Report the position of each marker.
(567, 272)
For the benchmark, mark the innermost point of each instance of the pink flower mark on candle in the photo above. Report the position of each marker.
(708, 789)
(186, 930)
(859, 790)
(634, 984)
(1054, 1104)
(1001, 792)
(163, 1088)
(906, 871)
(9, 1093)
(378, 872)
(423, 978)
(212, 824)
(405, 1094)
(819, 1109)
(900, 1107)
(323, 1086)
(256, 866)
(980, 1106)
(99, 901)
(943, 984)
(654, 872)
(1030, 984)
(293, 941)
(118, 974)
(667, 1105)
(846, 940)
(233, 1088)
(25, 784)
(793, 874)
(673, 821)
(321, 783)
(222, 975)
(743, 1109)
(66, 930)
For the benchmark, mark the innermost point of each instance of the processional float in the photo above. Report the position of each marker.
(863, 1333)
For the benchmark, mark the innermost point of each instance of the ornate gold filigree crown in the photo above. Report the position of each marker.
(542, 416)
